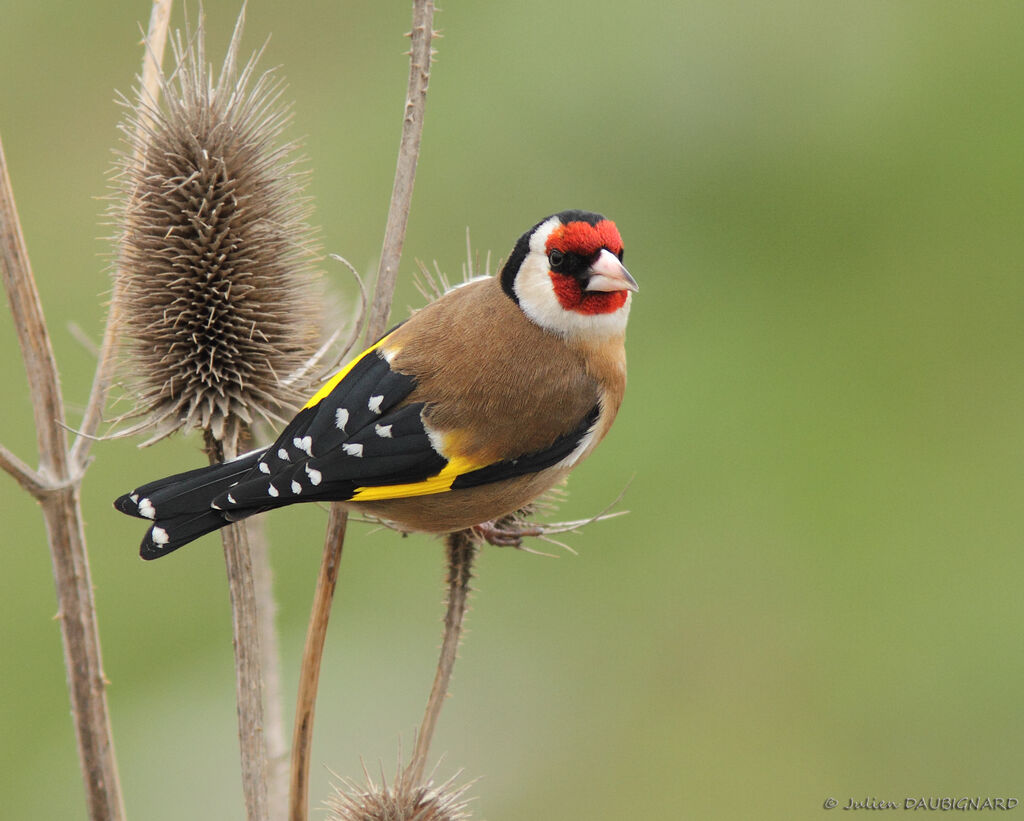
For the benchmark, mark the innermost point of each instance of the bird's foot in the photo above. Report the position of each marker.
(506, 534)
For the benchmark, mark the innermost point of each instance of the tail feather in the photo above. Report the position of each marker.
(180, 506)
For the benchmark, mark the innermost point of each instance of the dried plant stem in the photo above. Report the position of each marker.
(276, 743)
(56, 486)
(149, 91)
(405, 171)
(245, 620)
(461, 547)
(312, 654)
(394, 236)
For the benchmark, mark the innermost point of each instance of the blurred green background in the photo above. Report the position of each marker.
(818, 590)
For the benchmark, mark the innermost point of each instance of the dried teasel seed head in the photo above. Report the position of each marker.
(402, 801)
(215, 258)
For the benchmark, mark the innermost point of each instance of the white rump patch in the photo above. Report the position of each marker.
(146, 508)
(273, 491)
(305, 443)
(585, 443)
(160, 536)
(314, 475)
(383, 431)
(341, 418)
(296, 488)
(352, 448)
(374, 403)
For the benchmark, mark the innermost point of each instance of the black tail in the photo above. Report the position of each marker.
(179, 505)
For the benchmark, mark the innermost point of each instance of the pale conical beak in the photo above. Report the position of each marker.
(608, 274)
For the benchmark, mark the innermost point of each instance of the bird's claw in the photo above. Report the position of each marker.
(506, 535)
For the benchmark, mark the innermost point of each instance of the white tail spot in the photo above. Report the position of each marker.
(146, 508)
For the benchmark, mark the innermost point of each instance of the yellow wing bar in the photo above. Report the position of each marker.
(332, 383)
(438, 483)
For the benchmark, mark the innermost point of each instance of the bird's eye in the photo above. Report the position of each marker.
(555, 258)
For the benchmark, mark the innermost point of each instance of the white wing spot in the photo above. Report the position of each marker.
(282, 454)
(374, 403)
(352, 448)
(341, 418)
(383, 431)
(264, 467)
(272, 490)
(134, 497)
(296, 487)
(305, 443)
(146, 508)
(160, 536)
(231, 500)
(314, 475)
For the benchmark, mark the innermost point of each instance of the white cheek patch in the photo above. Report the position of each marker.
(537, 299)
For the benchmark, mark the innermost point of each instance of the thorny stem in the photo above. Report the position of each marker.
(245, 620)
(405, 172)
(461, 547)
(62, 513)
(394, 236)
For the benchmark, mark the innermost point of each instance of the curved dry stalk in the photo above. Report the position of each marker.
(461, 547)
(394, 235)
(57, 485)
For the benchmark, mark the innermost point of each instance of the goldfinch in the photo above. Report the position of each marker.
(465, 412)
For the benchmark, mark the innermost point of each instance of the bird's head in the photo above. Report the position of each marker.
(566, 274)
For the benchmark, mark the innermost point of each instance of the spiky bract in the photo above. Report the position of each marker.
(215, 259)
(402, 801)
